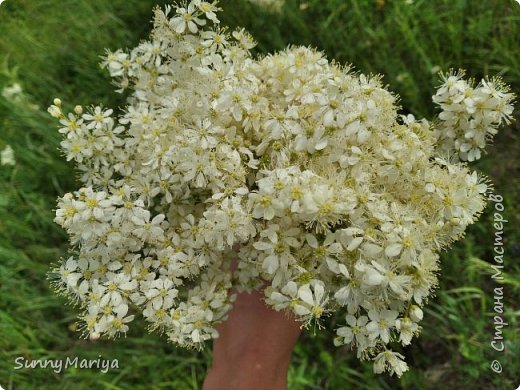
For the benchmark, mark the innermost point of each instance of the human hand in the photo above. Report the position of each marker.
(254, 347)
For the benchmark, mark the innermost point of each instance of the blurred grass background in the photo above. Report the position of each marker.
(52, 48)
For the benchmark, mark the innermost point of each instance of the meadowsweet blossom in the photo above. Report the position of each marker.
(470, 114)
(298, 167)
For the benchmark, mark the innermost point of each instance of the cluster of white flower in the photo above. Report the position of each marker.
(470, 115)
(295, 165)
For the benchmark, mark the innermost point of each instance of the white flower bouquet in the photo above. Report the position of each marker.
(297, 166)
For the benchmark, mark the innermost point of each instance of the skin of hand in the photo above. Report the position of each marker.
(254, 347)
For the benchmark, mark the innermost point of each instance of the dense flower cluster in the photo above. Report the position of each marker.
(470, 115)
(297, 166)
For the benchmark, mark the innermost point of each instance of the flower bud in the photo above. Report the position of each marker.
(416, 314)
(455, 221)
(78, 110)
(57, 102)
(55, 111)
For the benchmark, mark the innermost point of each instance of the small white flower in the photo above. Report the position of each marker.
(98, 118)
(187, 19)
(313, 300)
(355, 330)
(161, 293)
(407, 329)
(381, 322)
(208, 9)
(149, 230)
(391, 361)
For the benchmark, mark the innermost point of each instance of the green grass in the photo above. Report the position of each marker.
(52, 48)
